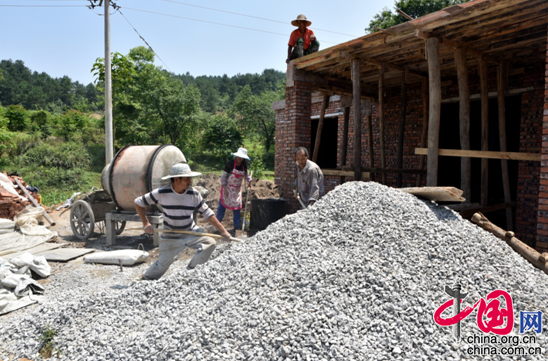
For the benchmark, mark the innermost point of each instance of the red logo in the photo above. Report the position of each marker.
(490, 307)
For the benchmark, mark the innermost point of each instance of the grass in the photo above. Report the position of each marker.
(48, 346)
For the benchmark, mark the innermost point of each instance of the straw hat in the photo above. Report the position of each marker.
(242, 153)
(301, 17)
(181, 170)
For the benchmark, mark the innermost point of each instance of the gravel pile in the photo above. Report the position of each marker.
(357, 276)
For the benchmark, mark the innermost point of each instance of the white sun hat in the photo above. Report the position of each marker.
(181, 170)
(242, 153)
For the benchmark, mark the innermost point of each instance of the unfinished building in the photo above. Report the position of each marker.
(456, 98)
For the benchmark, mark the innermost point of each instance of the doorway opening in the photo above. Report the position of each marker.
(327, 154)
(449, 167)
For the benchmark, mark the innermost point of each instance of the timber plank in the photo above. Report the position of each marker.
(482, 154)
(438, 194)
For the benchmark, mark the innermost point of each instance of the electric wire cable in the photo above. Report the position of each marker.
(143, 39)
(216, 23)
(250, 16)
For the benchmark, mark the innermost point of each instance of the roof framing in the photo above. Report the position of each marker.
(494, 30)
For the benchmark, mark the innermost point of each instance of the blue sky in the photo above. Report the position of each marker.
(67, 40)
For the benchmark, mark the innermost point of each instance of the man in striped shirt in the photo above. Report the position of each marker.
(178, 201)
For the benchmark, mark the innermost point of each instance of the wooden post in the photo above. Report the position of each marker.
(344, 144)
(434, 77)
(401, 129)
(33, 201)
(424, 127)
(502, 77)
(484, 131)
(367, 109)
(356, 97)
(381, 120)
(464, 121)
(325, 103)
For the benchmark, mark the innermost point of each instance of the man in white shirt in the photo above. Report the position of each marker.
(309, 180)
(178, 201)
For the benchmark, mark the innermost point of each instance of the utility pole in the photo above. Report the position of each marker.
(109, 149)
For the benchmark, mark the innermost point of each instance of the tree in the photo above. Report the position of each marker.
(150, 106)
(413, 8)
(255, 114)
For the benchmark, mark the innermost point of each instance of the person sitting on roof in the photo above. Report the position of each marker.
(302, 40)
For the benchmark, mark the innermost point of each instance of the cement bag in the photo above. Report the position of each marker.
(128, 256)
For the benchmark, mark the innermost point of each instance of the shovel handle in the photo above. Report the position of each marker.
(218, 236)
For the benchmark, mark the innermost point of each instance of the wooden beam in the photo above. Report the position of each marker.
(502, 81)
(455, 45)
(530, 254)
(381, 120)
(464, 122)
(343, 173)
(367, 109)
(357, 118)
(535, 157)
(344, 144)
(325, 103)
(434, 78)
(491, 94)
(401, 129)
(424, 132)
(484, 197)
(33, 201)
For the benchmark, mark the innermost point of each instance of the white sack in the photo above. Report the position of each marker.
(128, 256)
(32, 234)
(37, 264)
(10, 302)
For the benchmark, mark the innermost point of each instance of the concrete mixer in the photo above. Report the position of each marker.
(134, 171)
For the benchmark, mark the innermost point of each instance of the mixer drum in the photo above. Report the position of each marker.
(138, 169)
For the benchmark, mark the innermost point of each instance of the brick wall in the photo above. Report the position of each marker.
(533, 132)
(292, 130)
(542, 226)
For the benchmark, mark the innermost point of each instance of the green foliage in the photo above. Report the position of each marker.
(18, 118)
(48, 346)
(414, 8)
(35, 90)
(219, 92)
(258, 168)
(6, 140)
(150, 105)
(255, 115)
(72, 123)
(67, 156)
(221, 138)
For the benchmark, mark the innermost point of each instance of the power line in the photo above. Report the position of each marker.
(212, 22)
(44, 6)
(143, 39)
(249, 16)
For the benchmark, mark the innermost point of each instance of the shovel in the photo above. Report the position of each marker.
(246, 201)
(218, 236)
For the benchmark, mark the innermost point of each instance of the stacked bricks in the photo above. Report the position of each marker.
(10, 204)
(293, 129)
(542, 220)
(531, 211)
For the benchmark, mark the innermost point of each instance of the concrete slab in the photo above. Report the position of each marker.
(65, 254)
(35, 250)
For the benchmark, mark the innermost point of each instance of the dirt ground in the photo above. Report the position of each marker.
(132, 236)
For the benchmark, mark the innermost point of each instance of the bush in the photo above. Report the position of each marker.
(18, 118)
(72, 125)
(221, 137)
(6, 140)
(69, 156)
